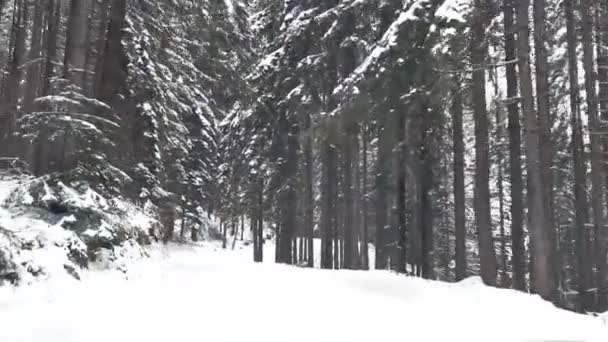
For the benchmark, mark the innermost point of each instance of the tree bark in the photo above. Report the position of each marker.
(540, 241)
(309, 192)
(12, 89)
(381, 193)
(114, 72)
(53, 19)
(33, 69)
(482, 168)
(400, 186)
(518, 260)
(597, 174)
(459, 188)
(581, 211)
(74, 66)
(546, 143)
(365, 233)
(602, 65)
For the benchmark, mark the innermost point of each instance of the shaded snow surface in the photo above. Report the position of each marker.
(203, 293)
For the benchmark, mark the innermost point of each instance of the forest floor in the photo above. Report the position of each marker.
(203, 293)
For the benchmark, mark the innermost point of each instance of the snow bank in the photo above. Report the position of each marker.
(196, 293)
(49, 229)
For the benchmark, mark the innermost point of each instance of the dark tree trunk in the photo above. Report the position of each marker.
(114, 72)
(546, 144)
(349, 213)
(15, 72)
(74, 66)
(581, 211)
(602, 65)
(53, 19)
(426, 204)
(540, 253)
(518, 260)
(326, 206)
(597, 174)
(365, 233)
(401, 192)
(382, 190)
(32, 84)
(259, 223)
(504, 281)
(309, 222)
(100, 43)
(288, 196)
(459, 188)
(482, 167)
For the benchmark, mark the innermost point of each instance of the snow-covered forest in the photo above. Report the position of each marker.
(437, 139)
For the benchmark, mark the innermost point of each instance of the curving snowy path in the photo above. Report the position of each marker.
(202, 293)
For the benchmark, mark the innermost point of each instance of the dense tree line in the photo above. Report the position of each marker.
(122, 95)
(455, 137)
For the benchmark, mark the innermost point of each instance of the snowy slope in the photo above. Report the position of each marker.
(39, 244)
(196, 293)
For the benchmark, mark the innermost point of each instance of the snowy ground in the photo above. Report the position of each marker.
(203, 293)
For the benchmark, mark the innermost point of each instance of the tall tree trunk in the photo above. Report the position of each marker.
(517, 213)
(53, 19)
(74, 66)
(100, 43)
(349, 213)
(309, 223)
(482, 167)
(400, 187)
(426, 205)
(259, 223)
(288, 196)
(540, 240)
(365, 233)
(12, 89)
(114, 72)
(504, 281)
(459, 188)
(326, 207)
(581, 212)
(381, 193)
(602, 65)
(597, 174)
(546, 144)
(33, 68)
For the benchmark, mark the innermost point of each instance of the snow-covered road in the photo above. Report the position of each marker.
(206, 294)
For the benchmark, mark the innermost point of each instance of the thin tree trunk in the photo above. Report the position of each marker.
(114, 72)
(326, 207)
(546, 144)
(100, 43)
(33, 70)
(597, 176)
(309, 192)
(602, 65)
(364, 248)
(459, 188)
(74, 67)
(540, 241)
(504, 281)
(381, 193)
(15, 74)
(482, 168)
(401, 193)
(581, 213)
(515, 168)
(53, 17)
(349, 229)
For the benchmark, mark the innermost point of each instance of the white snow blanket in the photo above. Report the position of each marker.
(204, 293)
